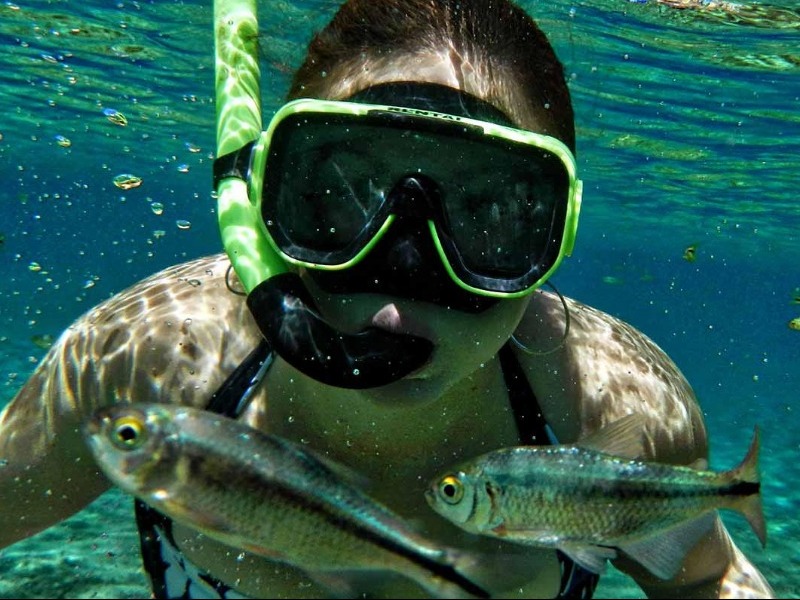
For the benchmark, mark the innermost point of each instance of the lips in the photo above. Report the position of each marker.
(389, 318)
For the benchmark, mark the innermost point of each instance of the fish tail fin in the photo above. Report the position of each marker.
(746, 486)
(753, 511)
(747, 470)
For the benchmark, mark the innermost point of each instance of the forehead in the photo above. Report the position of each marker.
(439, 68)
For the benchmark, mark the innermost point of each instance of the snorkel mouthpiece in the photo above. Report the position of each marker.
(371, 358)
(277, 298)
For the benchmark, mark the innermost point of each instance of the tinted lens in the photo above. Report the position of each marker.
(321, 193)
(509, 222)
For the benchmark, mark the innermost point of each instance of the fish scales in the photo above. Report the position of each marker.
(269, 491)
(319, 509)
(263, 494)
(569, 489)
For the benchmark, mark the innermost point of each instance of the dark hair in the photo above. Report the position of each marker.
(492, 49)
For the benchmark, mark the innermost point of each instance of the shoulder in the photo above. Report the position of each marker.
(606, 369)
(177, 286)
(182, 329)
(196, 289)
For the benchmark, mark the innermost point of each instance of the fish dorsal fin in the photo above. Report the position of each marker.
(663, 554)
(624, 437)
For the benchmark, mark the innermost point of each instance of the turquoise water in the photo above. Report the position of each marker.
(688, 134)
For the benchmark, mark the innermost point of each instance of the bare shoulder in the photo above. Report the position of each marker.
(170, 337)
(607, 369)
(173, 337)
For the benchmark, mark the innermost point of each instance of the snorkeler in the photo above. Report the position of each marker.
(424, 188)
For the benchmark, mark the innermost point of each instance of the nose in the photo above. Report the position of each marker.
(415, 195)
(405, 262)
(408, 248)
(405, 253)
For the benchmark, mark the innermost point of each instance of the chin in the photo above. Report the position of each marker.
(412, 390)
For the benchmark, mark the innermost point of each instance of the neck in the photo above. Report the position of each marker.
(366, 425)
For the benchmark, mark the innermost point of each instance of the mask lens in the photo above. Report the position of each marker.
(508, 224)
(323, 193)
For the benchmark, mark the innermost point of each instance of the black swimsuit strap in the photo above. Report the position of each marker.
(227, 400)
(527, 413)
(576, 582)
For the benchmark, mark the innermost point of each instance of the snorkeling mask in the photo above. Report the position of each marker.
(328, 180)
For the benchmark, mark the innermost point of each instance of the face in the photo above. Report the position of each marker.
(462, 341)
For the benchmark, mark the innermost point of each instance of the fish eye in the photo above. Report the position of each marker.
(451, 489)
(128, 433)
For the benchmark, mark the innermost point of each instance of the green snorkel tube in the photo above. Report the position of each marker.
(277, 298)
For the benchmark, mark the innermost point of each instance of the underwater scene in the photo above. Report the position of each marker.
(688, 143)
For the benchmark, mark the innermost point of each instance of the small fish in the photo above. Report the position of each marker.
(264, 494)
(796, 296)
(690, 253)
(794, 324)
(587, 501)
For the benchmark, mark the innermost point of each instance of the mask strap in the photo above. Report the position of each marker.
(560, 344)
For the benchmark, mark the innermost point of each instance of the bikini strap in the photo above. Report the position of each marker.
(234, 394)
(576, 582)
(531, 424)
(158, 547)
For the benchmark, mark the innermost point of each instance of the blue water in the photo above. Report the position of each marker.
(689, 134)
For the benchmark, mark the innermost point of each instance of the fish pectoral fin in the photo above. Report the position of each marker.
(591, 558)
(497, 525)
(501, 573)
(344, 472)
(663, 554)
(624, 437)
(336, 584)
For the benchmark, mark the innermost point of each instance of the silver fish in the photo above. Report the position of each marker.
(264, 494)
(587, 502)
